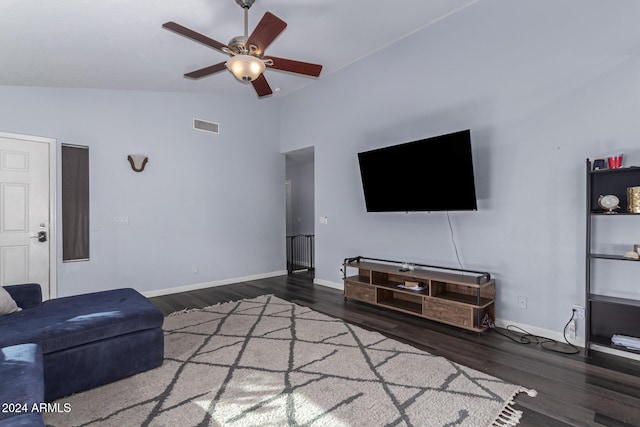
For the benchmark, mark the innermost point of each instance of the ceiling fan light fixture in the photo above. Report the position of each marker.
(247, 51)
(245, 68)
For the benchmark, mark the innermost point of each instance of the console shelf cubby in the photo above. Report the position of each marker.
(457, 299)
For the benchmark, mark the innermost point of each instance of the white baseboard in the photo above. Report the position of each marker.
(328, 284)
(534, 330)
(196, 286)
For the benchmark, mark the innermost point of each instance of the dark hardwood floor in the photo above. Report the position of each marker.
(572, 390)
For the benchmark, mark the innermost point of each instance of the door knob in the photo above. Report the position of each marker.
(42, 236)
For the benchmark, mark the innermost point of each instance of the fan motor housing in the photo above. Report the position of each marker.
(238, 44)
(245, 4)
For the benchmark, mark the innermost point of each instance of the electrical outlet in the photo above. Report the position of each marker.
(579, 310)
(522, 302)
(572, 329)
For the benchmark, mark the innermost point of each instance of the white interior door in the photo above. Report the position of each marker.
(27, 201)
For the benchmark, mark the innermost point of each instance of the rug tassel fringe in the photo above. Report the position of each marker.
(509, 416)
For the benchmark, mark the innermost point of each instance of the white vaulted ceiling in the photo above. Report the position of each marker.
(120, 44)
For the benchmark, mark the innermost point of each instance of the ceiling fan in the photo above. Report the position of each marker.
(247, 62)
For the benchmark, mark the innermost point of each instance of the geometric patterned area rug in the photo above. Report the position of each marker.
(269, 362)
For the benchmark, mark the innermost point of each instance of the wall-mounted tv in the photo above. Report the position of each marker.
(433, 174)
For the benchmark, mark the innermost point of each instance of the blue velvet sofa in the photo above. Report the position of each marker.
(22, 386)
(86, 340)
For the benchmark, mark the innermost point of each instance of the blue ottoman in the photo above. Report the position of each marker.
(87, 340)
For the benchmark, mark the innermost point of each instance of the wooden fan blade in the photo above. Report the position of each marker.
(190, 34)
(269, 27)
(207, 71)
(261, 86)
(292, 66)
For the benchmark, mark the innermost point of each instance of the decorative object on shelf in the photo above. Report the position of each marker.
(608, 203)
(615, 162)
(407, 267)
(636, 248)
(631, 255)
(598, 164)
(414, 286)
(632, 343)
(137, 161)
(633, 199)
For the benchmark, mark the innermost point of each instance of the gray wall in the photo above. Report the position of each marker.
(211, 202)
(542, 85)
(541, 88)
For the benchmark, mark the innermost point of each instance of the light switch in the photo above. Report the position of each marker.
(122, 220)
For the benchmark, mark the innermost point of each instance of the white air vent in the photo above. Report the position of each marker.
(206, 126)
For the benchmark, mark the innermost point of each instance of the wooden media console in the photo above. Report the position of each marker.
(457, 299)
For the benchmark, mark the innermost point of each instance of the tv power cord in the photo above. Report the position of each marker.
(521, 336)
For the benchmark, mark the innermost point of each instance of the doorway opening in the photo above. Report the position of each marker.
(300, 229)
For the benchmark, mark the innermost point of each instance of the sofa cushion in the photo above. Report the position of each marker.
(66, 322)
(33, 419)
(22, 386)
(7, 304)
(26, 295)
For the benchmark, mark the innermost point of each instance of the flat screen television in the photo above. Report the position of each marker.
(433, 174)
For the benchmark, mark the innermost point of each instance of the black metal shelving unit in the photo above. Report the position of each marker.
(608, 315)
